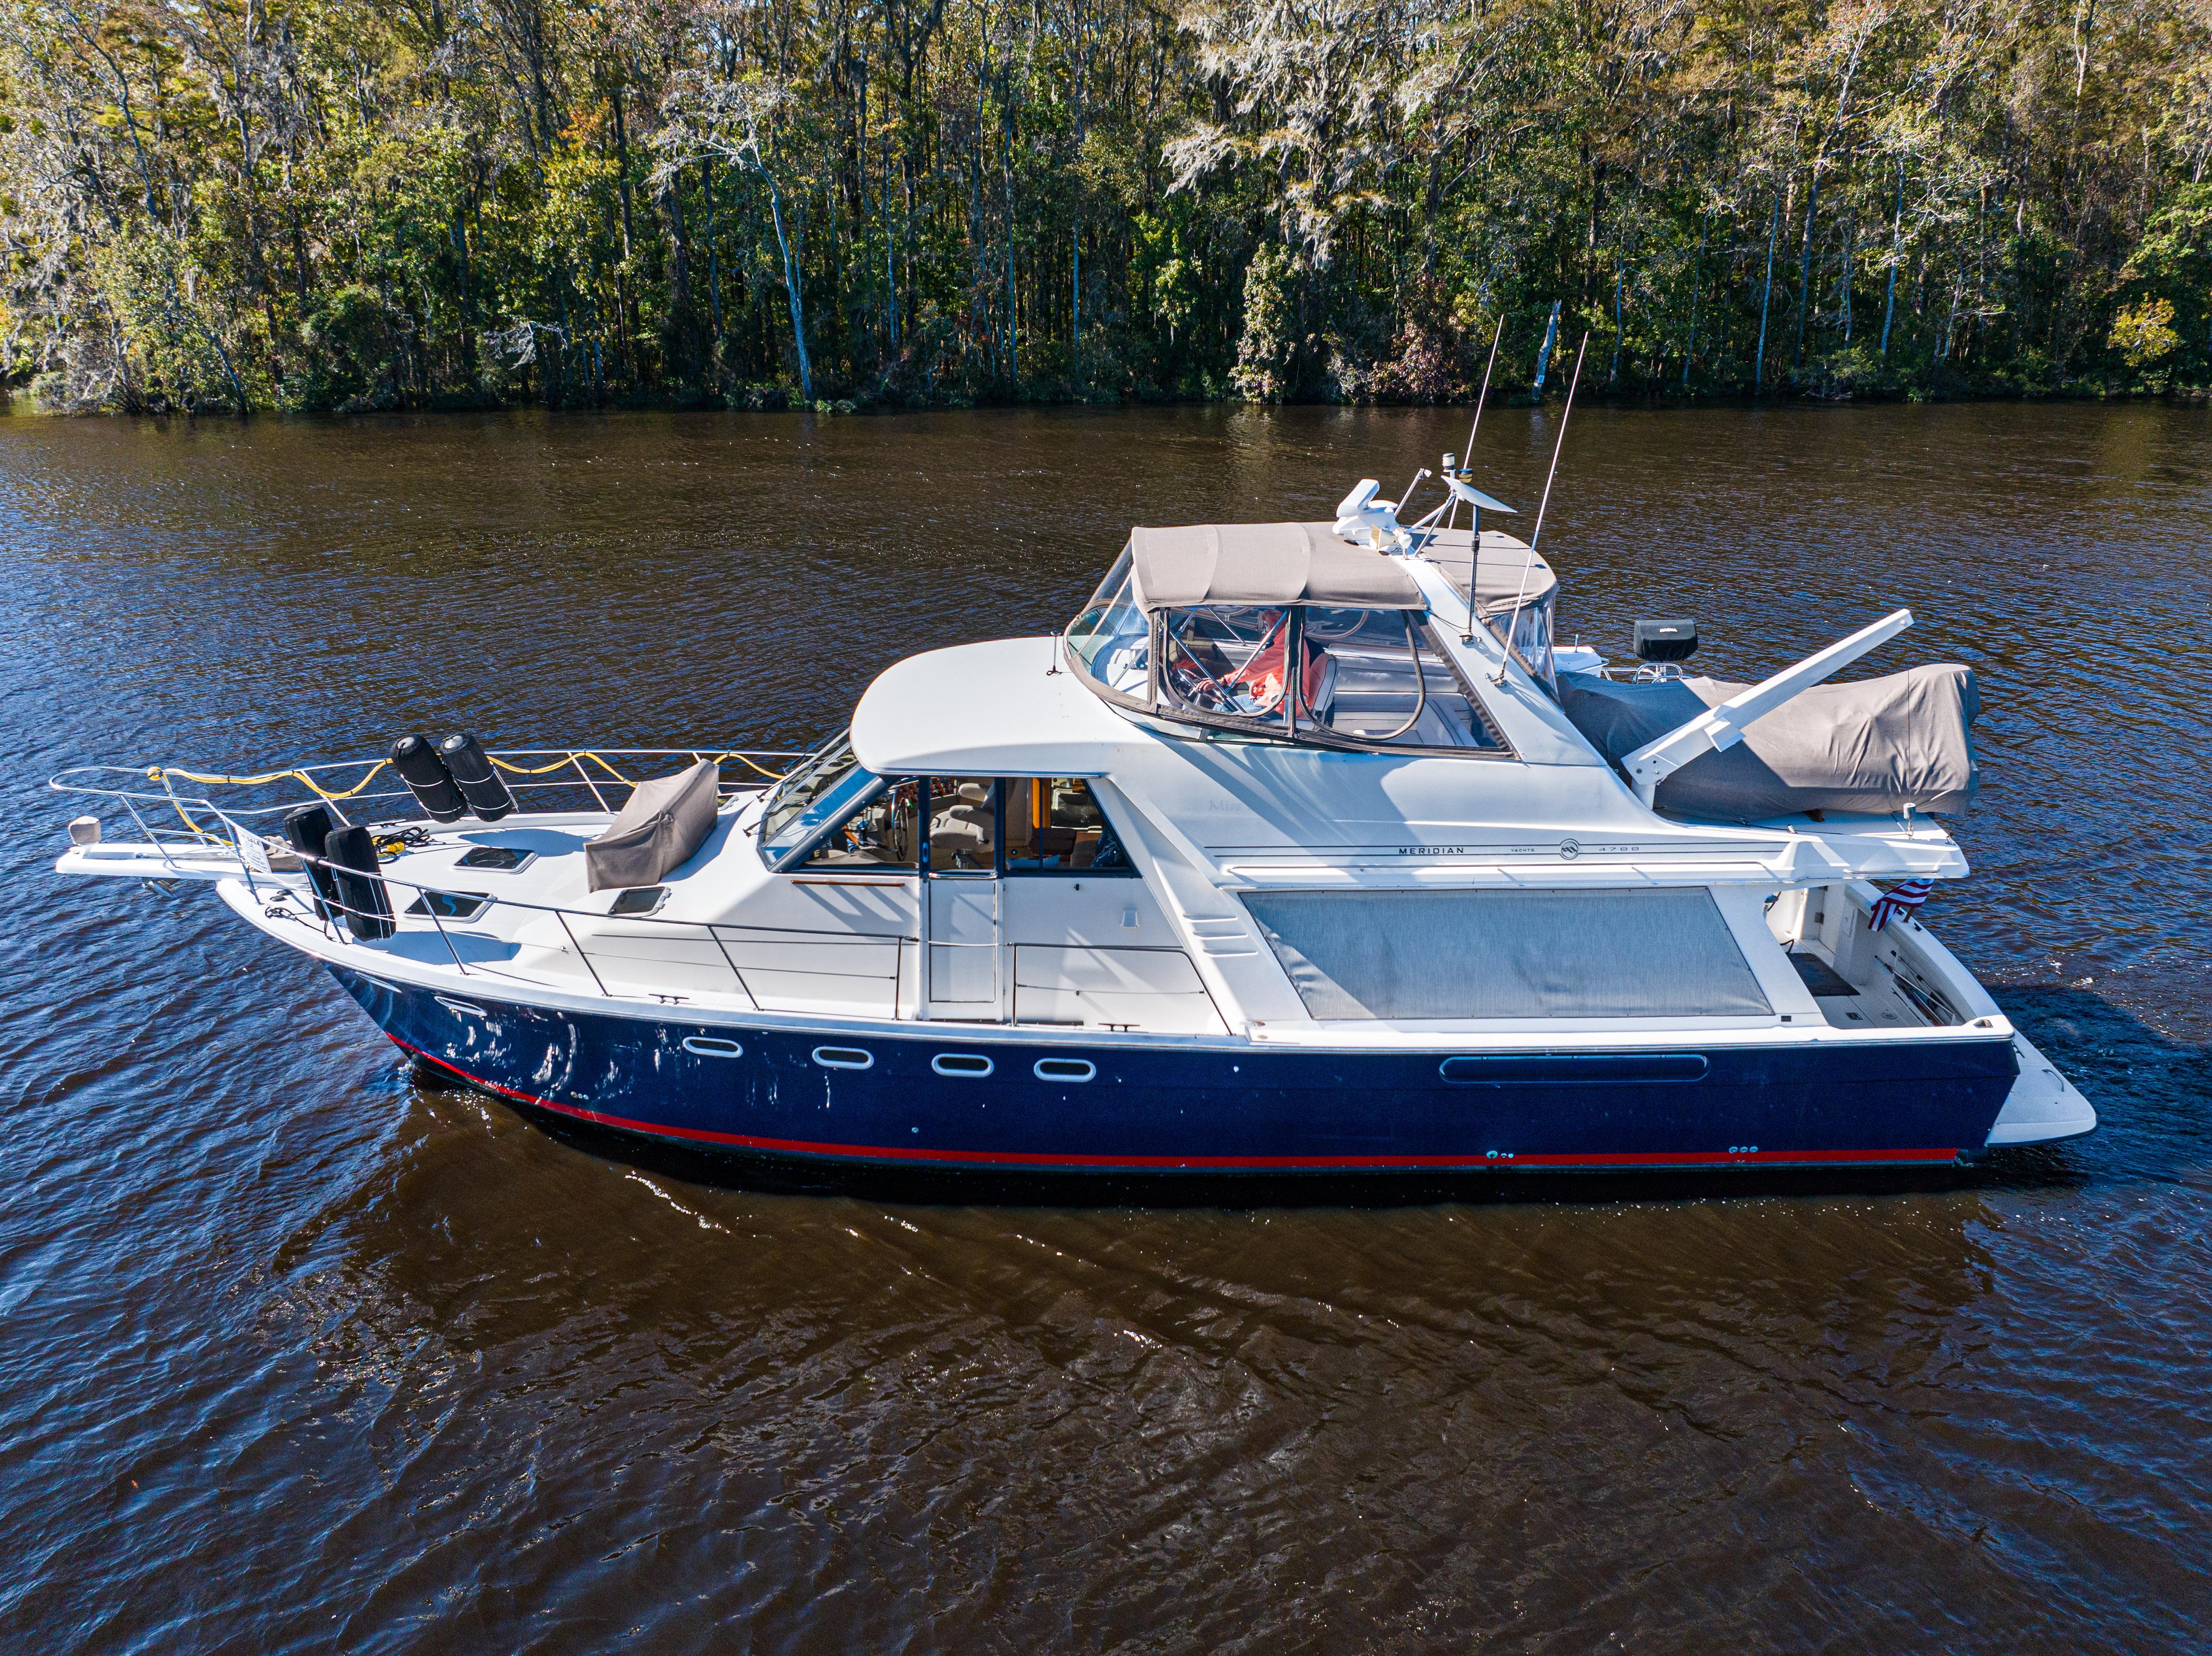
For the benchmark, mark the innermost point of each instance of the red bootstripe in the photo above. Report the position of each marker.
(1186, 1163)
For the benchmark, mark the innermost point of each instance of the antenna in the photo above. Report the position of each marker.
(1467, 459)
(1484, 394)
(1466, 465)
(1530, 564)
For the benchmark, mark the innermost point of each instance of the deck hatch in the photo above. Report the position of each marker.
(448, 904)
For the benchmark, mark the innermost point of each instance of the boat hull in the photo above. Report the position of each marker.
(881, 1099)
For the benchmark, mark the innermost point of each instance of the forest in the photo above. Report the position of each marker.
(261, 205)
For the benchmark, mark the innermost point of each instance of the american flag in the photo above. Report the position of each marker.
(1901, 898)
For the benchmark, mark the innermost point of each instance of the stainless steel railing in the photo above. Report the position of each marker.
(233, 833)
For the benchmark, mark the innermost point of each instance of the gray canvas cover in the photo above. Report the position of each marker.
(1445, 953)
(665, 821)
(1264, 563)
(1875, 745)
(1505, 571)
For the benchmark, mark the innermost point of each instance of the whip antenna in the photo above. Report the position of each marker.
(1462, 466)
(1484, 394)
(1527, 567)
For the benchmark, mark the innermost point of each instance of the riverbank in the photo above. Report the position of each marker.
(786, 398)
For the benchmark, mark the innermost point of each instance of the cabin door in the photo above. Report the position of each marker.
(961, 902)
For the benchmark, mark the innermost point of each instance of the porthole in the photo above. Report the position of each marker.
(1066, 1069)
(844, 1058)
(712, 1047)
(960, 1063)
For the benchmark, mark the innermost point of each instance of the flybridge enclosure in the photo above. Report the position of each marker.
(1280, 632)
(1210, 565)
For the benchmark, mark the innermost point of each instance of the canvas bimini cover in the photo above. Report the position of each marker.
(1504, 574)
(1266, 564)
(1874, 746)
(665, 822)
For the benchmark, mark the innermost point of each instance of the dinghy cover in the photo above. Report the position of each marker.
(665, 821)
(1874, 746)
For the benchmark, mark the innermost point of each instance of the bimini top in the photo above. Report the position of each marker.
(1505, 573)
(1284, 564)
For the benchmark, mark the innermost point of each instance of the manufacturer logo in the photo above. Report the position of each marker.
(1570, 849)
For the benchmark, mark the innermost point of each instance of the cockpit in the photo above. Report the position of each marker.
(1279, 631)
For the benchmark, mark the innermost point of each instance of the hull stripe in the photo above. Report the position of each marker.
(1500, 1162)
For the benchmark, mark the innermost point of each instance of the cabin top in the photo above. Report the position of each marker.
(1009, 707)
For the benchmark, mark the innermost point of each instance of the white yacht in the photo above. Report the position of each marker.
(1303, 850)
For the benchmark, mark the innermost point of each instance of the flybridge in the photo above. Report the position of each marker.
(1329, 636)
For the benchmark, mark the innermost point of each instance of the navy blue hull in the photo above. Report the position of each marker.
(1151, 1110)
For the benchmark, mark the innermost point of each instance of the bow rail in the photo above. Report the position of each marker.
(239, 837)
(339, 784)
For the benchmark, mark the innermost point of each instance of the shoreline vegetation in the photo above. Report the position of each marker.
(348, 205)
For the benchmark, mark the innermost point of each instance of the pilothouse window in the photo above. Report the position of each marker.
(881, 834)
(819, 792)
(1054, 826)
(964, 828)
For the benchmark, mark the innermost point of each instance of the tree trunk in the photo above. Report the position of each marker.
(790, 286)
(1896, 255)
(1690, 350)
(1805, 272)
(626, 302)
(1766, 295)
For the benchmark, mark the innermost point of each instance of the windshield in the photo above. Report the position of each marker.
(1373, 677)
(1377, 676)
(1112, 638)
(1532, 636)
(1227, 660)
(814, 796)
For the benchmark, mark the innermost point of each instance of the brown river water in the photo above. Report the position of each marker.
(299, 1351)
